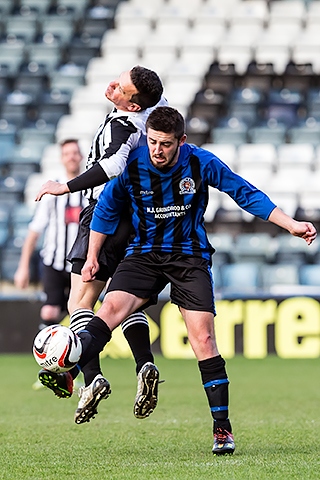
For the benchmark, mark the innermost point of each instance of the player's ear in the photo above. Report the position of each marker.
(134, 107)
(182, 139)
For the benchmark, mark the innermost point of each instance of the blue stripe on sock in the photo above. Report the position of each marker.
(218, 409)
(216, 382)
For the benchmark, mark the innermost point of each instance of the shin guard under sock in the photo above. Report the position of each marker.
(216, 385)
(79, 319)
(96, 335)
(136, 331)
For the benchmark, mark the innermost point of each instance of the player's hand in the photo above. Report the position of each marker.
(21, 278)
(305, 230)
(89, 270)
(52, 188)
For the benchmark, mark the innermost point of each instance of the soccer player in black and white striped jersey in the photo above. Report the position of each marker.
(57, 219)
(134, 94)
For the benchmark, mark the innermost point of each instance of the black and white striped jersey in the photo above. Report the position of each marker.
(119, 134)
(57, 218)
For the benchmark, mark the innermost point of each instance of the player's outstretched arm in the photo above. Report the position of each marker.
(53, 188)
(305, 230)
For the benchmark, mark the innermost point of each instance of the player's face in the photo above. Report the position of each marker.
(163, 148)
(71, 158)
(120, 91)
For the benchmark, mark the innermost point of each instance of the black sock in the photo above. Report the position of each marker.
(91, 370)
(136, 330)
(216, 385)
(94, 338)
(75, 371)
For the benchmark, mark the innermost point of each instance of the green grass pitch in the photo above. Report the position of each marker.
(274, 408)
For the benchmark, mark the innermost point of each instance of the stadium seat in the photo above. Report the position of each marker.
(60, 27)
(202, 38)
(117, 41)
(240, 278)
(66, 79)
(313, 103)
(52, 105)
(234, 54)
(250, 13)
(6, 6)
(283, 105)
(230, 130)
(11, 56)
(82, 48)
(226, 152)
(258, 175)
(11, 190)
(253, 247)
(309, 275)
(23, 162)
(10, 257)
(7, 139)
(269, 54)
(287, 12)
(292, 250)
(22, 27)
(312, 15)
(306, 131)
(309, 204)
(176, 14)
(76, 6)
(40, 6)
(223, 244)
(31, 80)
(296, 155)
(21, 215)
(41, 133)
(244, 104)
(214, 14)
(263, 154)
(276, 277)
(4, 236)
(208, 104)
(230, 212)
(46, 54)
(128, 13)
(15, 107)
(270, 131)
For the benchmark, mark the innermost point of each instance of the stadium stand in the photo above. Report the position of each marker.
(245, 73)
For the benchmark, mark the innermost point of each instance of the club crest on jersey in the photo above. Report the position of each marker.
(187, 185)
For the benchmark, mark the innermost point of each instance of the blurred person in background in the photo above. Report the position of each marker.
(57, 220)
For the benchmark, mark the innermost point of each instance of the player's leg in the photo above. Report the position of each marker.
(135, 328)
(115, 307)
(55, 284)
(53, 287)
(192, 290)
(119, 303)
(201, 334)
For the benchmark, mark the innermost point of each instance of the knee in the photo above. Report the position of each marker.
(50, 312)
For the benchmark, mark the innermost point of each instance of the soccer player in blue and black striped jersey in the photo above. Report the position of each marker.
(167, 184)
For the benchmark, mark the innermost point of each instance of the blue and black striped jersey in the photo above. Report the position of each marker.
(169, 206)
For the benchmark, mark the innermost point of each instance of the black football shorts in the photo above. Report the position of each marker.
(146, 275)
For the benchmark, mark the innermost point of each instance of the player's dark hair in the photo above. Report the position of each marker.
(167, 120)
(149, 87)
(69, 140)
